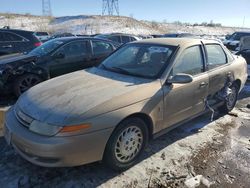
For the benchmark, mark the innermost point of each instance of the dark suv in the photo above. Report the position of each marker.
(118, 37)
(17, 41)
(19, 72)
(232, 41)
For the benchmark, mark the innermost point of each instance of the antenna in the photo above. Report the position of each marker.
(110, 7)
(47, 8)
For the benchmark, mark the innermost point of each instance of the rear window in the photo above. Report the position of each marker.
(41, 34)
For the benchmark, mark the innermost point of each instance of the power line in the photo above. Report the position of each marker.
(46, 8)
(110, 7)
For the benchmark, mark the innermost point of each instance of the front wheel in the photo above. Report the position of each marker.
(126, 144)
(24, 82)
(231, 99)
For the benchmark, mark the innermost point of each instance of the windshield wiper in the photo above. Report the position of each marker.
(121, 70)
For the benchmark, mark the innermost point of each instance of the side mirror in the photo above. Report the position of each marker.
(59, 55)
(180, 79)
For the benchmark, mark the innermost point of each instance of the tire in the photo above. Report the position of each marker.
(232, 99)
(126, 144)
(24, 82)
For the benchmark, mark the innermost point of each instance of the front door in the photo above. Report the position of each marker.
(70, 57)
(182, 101)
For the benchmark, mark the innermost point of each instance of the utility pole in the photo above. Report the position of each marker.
(110, 7)
(243, 22)
(46, 8)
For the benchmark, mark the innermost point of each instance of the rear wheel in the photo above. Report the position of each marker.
(126, 144)
(231, 99)
(24, 82)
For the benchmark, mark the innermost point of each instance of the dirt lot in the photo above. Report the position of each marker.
(198, 154)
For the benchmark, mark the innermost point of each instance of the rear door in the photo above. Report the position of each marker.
(70, 57)
(182, 101)
(217, 66)
(99, 51)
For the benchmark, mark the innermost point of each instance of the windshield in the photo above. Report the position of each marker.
(139, 60)
(46, 48)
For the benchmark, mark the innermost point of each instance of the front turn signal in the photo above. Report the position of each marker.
(74, 128)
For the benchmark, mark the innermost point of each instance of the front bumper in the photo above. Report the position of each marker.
(55, 151)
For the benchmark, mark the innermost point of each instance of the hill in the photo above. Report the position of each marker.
(84, 24)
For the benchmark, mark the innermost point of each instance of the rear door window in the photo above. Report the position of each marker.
(74, 49)
(101, 47)
(215, 56)
(115, 38)
(189, 62)
(125, 39)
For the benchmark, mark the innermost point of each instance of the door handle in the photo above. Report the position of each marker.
(203, 84)
(7, 46)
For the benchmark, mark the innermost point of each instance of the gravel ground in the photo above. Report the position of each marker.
(197, 154)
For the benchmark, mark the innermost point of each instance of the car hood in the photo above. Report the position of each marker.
(75, 97)
(12, 58)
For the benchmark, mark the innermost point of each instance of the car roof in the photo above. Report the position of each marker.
(67, 39)
(109, 34)
(176, 41)
(16, 30)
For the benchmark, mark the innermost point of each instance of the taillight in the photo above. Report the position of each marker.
(38, 44)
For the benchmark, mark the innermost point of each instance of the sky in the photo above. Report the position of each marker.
(227, 12)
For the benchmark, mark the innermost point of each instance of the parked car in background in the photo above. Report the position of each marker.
(17, 41)
(244, 51)
(42, 36)
(157, 35)
(60, 35)
(177, 35)
(56, 57)
(110, 112)
(145, 36)
(232, 42)
(118, 37)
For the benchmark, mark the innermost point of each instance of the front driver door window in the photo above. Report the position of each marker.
(74, 56)
(182, 101)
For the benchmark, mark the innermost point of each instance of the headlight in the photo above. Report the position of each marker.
(44, 128)
(52, 130)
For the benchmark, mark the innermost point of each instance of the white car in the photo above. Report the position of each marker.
(42, 36)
